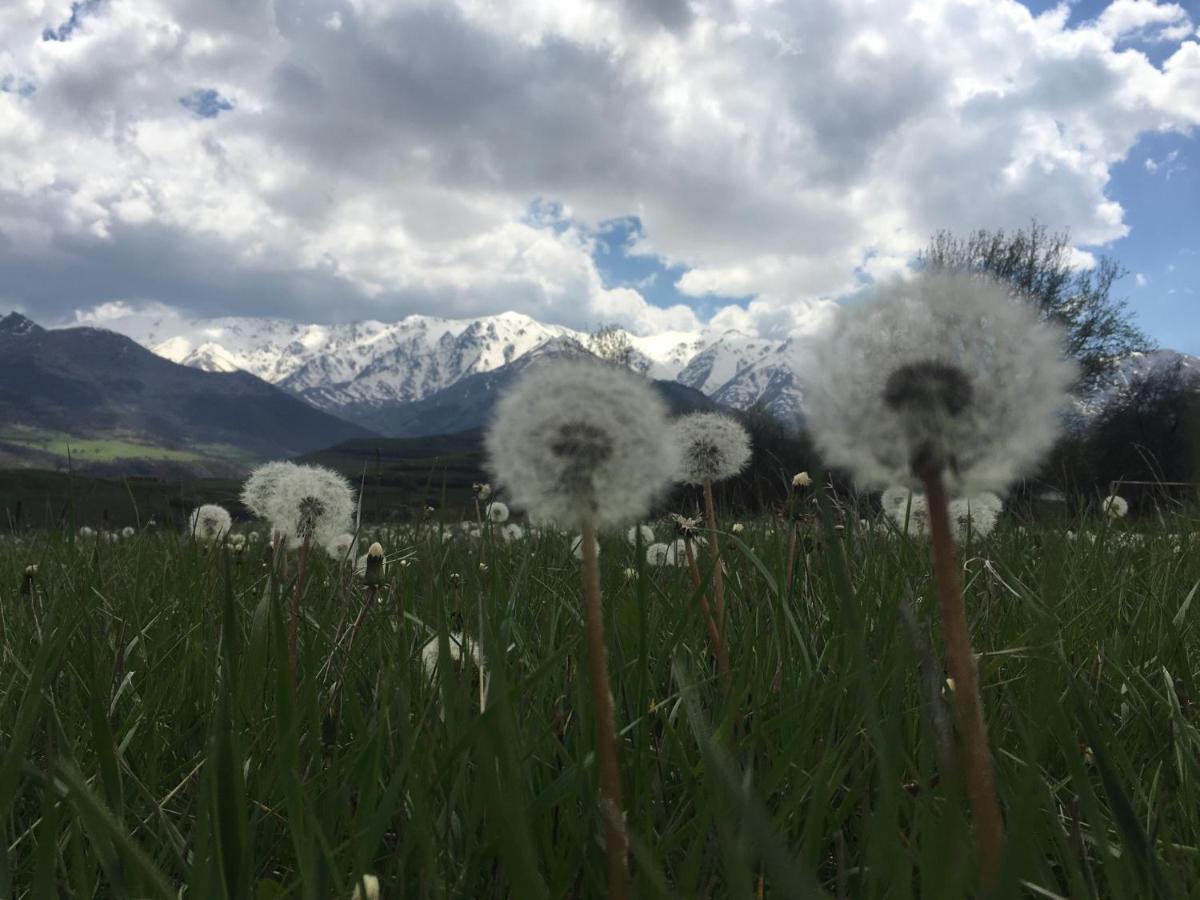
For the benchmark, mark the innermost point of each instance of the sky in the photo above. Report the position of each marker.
(657, 164)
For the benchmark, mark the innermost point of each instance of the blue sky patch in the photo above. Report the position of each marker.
(63, 32)
(10, 84)
(205, 103)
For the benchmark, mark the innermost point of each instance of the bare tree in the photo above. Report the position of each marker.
(1100, 329)
(611, 343)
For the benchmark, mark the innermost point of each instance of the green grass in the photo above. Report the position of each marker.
(149, 739)
(110, 449)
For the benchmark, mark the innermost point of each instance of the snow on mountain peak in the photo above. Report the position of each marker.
(371, 363)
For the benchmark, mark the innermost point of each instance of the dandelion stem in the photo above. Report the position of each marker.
(710, 512)
(793, 541)
(616, 840)
(976, 758)
(714, 634)
(294, 626)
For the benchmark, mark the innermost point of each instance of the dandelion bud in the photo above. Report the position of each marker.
(374, 574)
(482, 491)
(28, 579)
(483, 567)
(801, 480)
(630, 574)
(454, 578)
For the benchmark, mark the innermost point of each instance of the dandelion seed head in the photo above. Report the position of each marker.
(908, 511)
(371, 885)
(260, 486)
(647, 534)
(801, 479)
(659, 555)
(577, 547)
(340, 546)
(573, 438)
(710, 446)
(679, 550)
(738, 528)
(497, 512)
(460, 647)
(128, 531)
(512, 532)
(974, 516)
(309, 502)
(943, 369)
(209, 523)
(1116, 507)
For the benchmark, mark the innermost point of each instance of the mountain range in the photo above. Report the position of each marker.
(411, 377)
(108, 398)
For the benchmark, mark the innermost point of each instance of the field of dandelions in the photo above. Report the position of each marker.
(564, 690)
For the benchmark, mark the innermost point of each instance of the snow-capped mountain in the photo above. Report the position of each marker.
(369, 364)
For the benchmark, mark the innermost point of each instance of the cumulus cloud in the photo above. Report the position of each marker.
(352, 158)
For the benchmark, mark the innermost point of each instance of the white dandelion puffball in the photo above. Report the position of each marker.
(209, 523)
(460, 646)
(646, 532)
(128, 531)
(974, 516)
(710, 446)
(576, 438)
(260, 485)
(497, 512)
(1116, 507)
(660, 555)
(370, 884)
(679, 555)
(86, 533)
(512, 532)
(577, 547)
(340, 546)
(909, 512)
(943, 369)
(801, 479)
(310, 502)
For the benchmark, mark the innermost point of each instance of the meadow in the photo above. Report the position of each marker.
(153, 745)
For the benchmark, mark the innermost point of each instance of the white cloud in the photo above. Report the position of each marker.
(1141, 279)
(382, 157)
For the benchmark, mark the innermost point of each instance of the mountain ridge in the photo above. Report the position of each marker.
(96, 388)
(348, 369)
